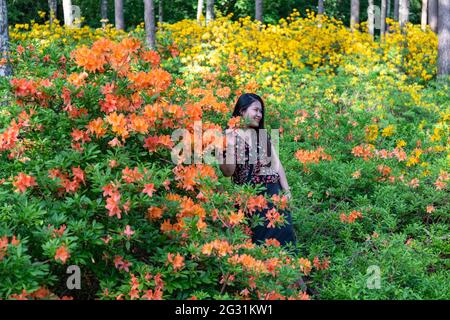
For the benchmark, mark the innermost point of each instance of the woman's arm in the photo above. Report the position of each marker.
(280, 169)
(229, 168)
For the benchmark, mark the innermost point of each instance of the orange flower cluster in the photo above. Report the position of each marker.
(118, 55)
(96, 127)
(152, 143)
(154, 213)
(363, 151)
(188, 176)
(248, 263)
(23, 181)
(62, 254)
(149, 294)
(441, 181)
(351, 217)
(68, 185)
(311, 156)
(132, 176)
(305, 266)
(4, 245)
(253, 203)
(274, 218)
(321, 265)
(220, 247)
(153, 82)
(236, 218)
(113, 201)
(121, 264)
(280, 202)
(9, 137)
(177, 262)
(234, 122)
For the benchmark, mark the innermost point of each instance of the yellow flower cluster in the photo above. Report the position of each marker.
(268, 51)
(45, 34)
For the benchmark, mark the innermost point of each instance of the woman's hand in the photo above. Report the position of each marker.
(288, 195)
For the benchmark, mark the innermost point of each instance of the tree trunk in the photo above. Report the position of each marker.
(371, 18)
(388, 9)
(199, 10)
(52, 9)
(104, 12)
(444, 38)
(423, 21)
(160, 11)
(5, 67)
(67, 8)
(209, 11)
(320, 9)
(354, 17)
(118, 14)
(383, 19)
(149, 18)
(433, 15)
(259, 10)
(396, 9)
(403, 13)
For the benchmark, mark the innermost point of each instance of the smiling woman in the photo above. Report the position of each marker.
(244, 147)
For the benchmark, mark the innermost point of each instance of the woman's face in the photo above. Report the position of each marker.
(253, 114)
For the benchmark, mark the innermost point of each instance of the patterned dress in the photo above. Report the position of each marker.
(261, 173)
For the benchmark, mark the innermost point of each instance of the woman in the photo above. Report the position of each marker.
(250, 107)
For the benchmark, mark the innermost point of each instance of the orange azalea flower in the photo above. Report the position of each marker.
(201, 224)
(188, 175)
(274, 217)
(96, 127)
(272, 242)
(280, 202)
(305, 266)
(234, 122)
(151, 143)
(149, 189)
(236, 218)
(78, 135)
(384, 170)
(311, 156)
(9, 137)
(62, 254)
(152, 57)
(414, 183)
(177, 261)
(154, 213)
(131, 176)
(78, 174)
(77, 79)
(118, 123)
(256, 203)
(112, 204)
(23, 181)
(86, 58)
(166, 226)
(139, 124)
(351, 217)
(223, 92)
(112, 163)
(222, 248)
(356, 174)
(364, 151)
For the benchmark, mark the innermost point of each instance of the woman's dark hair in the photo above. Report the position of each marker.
(244, 101)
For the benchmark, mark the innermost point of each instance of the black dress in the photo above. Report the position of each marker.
(246, 172)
